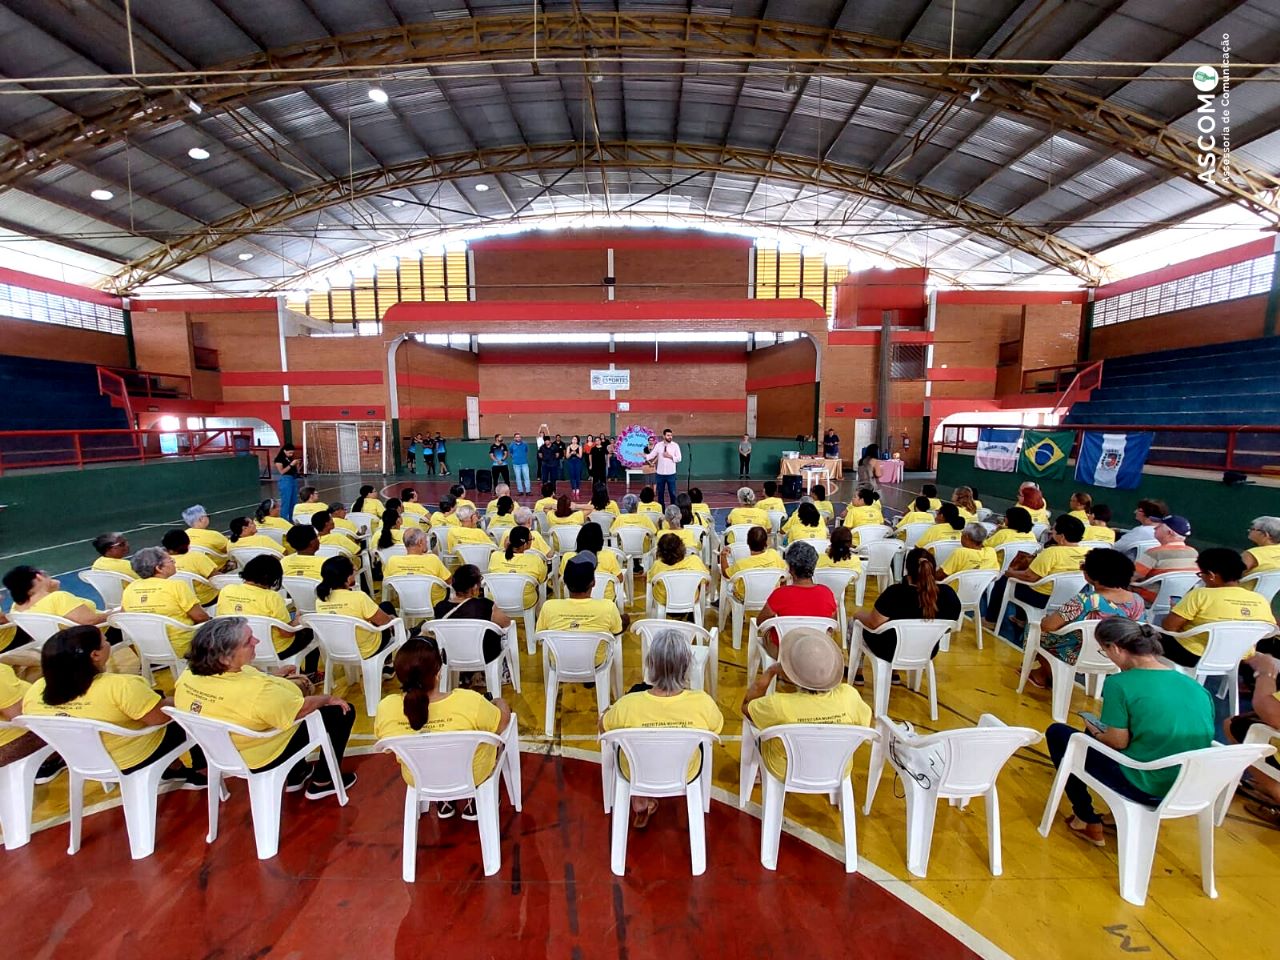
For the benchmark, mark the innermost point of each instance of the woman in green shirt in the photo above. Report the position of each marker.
(1150, 711)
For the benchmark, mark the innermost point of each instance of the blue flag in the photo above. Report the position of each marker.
(997, 449)
(1113, 459)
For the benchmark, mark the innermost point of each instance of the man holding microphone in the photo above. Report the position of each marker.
(665, 457)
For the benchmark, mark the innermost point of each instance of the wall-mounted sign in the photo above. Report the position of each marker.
(610, 379)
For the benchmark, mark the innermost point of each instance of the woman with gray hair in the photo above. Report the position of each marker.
(157, 591)
(674, 521)
(747, 512)
(799, 598)
(221, 684)
(197, 520)
(1264, 555)
(666, 702)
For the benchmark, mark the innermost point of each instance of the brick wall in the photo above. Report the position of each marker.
(27, 338)
(434, 383)
(1226, 322)
(782, 378)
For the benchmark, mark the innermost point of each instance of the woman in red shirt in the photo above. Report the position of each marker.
(799, 598)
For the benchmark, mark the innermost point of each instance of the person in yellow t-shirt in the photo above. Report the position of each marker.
(668, 704)
(447, 515)
(392, 531)
(972, 554)
(701, 512)
(368, 502)
(947, 527)
(865, 510)
(16, 743)
(303, 562)
(919, 513)
(839, 552)
(308, 503)
(258, 595)
(1264, 555)
(74, 685)
(672, 557)
(1080, 506)
(417, 561)
(268, 515)
(197, 520)
(413, 510)
(1016, 529)
(632, 517)
(649, 505)
(500, 490)
(964, 500)
(1032, 500)
(525, 518)
(459, 494)
(516, 558)
(564, 513)
(222, 685)
(599, 503)
(762, 556)
(1097, 529)
(825, 507)
(467, 530)
(815, 665)
(747, 512)
(420, 707)
(350, 529)
(930, 492)
(34, 591)
(770, 501)
(591, 540)
(337, 594)
(503, 513)
(1063, 555)
(805, 524)
(322, 521)
(547, 500)
(187, 560)
(244, 533)
(580, 612)
(157, 591)
(1221, 598)
(679, 521)
(113, 554)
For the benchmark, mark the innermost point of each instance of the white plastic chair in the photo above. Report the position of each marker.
(757, 584)
(265, 657)
(386, 553)
(1064, 586)
(242, 555)
(1169, 588)
(914, 653)
(1229, 642)
(569, 656)
(462, 643)
(605, 521)
(1203, 778)
(275, 533)
(658, 766)
(758, 657)
(1266, 583)
(506, 590)
(220, 580)
(970, 586)
(565, 536)
(327, 550)
(943, 549)
(266, 787)
(637, 543)
(737, 533)
(1259, 733)
(110, 585)
(364, 521)
(441, 767)
(686, 593)
(704, 644)
(912, 532)
(79, 743)
(820, 544)
(207, 551)
(476, 554)
(838, 580)
(38, 626)
(869, 533)
(818, 759)
(302, 591)
(195, 579)
(1091, 662)
(601, 587)
(1010, 550)
(147, 633)
(970, 760)
(17, 790)
(303, 517)
(413, 592)
(337, 637)
(1038, 531)
(776, 519)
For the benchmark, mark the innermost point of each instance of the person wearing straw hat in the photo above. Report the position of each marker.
(811, 661)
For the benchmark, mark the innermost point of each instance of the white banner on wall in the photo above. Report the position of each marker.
(610, 379)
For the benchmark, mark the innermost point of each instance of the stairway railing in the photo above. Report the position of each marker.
(1081, 385)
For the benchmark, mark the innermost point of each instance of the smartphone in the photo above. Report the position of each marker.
(1092, 720)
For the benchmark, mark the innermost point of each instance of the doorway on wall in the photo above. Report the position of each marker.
(864, 433)
(752, 409)
(344, 446)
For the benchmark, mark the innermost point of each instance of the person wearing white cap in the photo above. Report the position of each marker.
(811, 661)
(1168, 554)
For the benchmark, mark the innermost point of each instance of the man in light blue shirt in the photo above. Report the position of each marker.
(519, 452)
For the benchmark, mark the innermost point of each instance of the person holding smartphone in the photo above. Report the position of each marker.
(1150, 711)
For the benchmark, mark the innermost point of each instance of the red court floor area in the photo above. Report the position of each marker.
(335, 888)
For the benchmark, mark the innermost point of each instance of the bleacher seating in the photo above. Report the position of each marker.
(68, 397)
(1225, 384)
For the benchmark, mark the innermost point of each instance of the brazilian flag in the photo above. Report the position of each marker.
(1044, 455)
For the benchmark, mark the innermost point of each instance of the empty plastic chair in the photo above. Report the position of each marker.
(1008, 551)
(883, 560)
(506, 590)
(912, 533)
(637, 543)
(266, 787)
(413, 593)
(968, 762)
(1064, 586)
(302, 591)
(1203, 778)
(942, 550)
(657, 766)
(386, 553)
(38, 626)
(476, 554)
(838, 580)
(913, 653)
(565, 536)
(1266, 583)
(242, 555)
(870, 532)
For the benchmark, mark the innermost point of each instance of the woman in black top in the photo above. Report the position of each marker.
(918, 597)
(468, 603)
(600, 460)
(288, 467)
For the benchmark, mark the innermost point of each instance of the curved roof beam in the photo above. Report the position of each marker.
(620, 155)
(511, 37)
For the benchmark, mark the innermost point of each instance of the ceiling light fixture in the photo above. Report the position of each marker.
(245, 256)
(198, 153)
(194, 106)
(101, 194)
(792, 83)
(378, 95)
(481, 187)
(397, 203)
(976, 93)
(594, 73)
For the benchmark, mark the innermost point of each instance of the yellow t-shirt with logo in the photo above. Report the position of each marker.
(439, 519)
(771, 504)
(167, 597)
(498, 522)
(687, 710)
(1211, 604)
(258, 541)
(341, 541)
(413, 508)
(249, 599)
(527, 563)
(248, 698)
(853, 563)
(966, 558)
(1005, 535)
(605, 563)
(275, 523)
(459, 710)
(585, 615)
(753, 516)
(299, 565)
(795, 530)
(839, 706)
(825, 508)
(119, 698)
(1058, 558)
(419, 565)
(1267, 557)
(461, 534)
(546, 503)
(766, 559)
(690, 562)
(1098, 534)
(644, 521)
(915, 516)
(211, 539)
(306, 509)
(115, 565)
(653, 507)
(1039, 516)
(574, 517)
(354, 603)
(60, 603)
(937, 533)
(202, 565)
(12, 690)
(862, 516)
